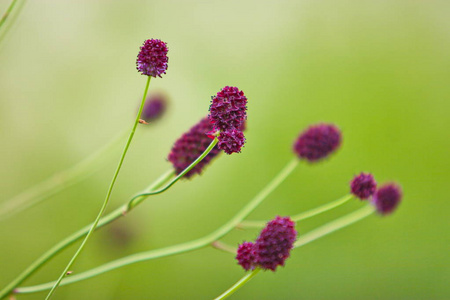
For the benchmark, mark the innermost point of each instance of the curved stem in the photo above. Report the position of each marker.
(302, 216)
(238, 284)
(108, 194)
(58, 181)
(176, 249)
(7, 13)
(224, 247)
(334, 225)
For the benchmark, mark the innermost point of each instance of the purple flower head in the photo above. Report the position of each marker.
(246, 256)
(228, 109)
(154, 107)
(190, 146)
(317, 142)
(152, 59)
(387, 198)
(231, 141)
(363, 185)
(275, 242)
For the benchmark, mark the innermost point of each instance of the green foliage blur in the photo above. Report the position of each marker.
(380, 70)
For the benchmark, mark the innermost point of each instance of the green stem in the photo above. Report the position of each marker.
(7, 13)
(301, 216)
(108, 194)
(119, 212)
(334, 225)
(224, 247)
(238, 284)
(58, 182)
(180, 248)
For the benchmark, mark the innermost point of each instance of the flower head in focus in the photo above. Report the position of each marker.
(152, 59)
(231, 141)
(228, 109)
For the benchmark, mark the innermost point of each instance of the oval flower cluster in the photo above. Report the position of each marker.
(152, 59)
(385, 199)
(271, 248)
(228, 112)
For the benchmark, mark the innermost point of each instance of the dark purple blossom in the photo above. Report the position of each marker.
(363, 185)
(228, 109)
(152, 59)
(190, 146)
(246, 255)
(387, 198)
(154, 107)
(231, 141)
(317, 142)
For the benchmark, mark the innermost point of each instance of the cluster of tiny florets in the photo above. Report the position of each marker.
(387, 198)
(190, 146)
(271, 248)
(317, 142)
(152, 59)
(231, 141)
(228, 114)
(154, 107)
(363, 185)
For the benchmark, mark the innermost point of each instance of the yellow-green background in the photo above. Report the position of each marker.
(378, 69)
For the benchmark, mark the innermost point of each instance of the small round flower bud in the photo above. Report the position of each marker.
(387, 198)
(228, 109)
(231, 141)
(363, 185)
(154, 107)
(190, 146)
(275, 242)
(246, 256)
(152, 59)
(317, 142)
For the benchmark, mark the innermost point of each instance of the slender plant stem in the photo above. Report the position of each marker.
(58, 181)
(119, 212)
(224, 247)
(176, 249)
(7, 13)
(301, 216)
(334, 225)
(5, 29)
(238, 284)
(108, 194)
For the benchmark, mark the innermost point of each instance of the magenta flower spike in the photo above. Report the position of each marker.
(317, 142)
(190, 146)
(152, 59)
(231, 141)
(154, 107)
(387, 198)
(228, 109)
(363, 186)
(246, 256)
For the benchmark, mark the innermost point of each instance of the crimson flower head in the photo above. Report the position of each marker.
(231, 141)
(363, 185)
(190, 146)
(154, 107)
(228, 109)
(317, 142)
(387, 198)
(152, 59)
(271, 248)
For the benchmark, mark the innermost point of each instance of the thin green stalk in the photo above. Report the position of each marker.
(301, 216)
(238, 284)
(59, 181)
(176, 249)
(334, 225)
(108, 194)
(7, 13)
(119, 212)
(224, 247)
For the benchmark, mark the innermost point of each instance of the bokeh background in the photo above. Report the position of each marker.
(378, 69)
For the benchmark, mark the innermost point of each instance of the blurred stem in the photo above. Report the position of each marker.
(5, 29)
(238, 284)
(176, 249)
(7, 13)
(59, 181)
(301, 216)
(334, 225)
(108, 194)
(224, 247)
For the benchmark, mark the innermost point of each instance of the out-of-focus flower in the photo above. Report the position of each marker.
(387, 198)
(363, 185)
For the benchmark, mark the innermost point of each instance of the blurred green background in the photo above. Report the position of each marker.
(378, 69)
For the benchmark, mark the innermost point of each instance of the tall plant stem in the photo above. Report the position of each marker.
(58, 181)
(180, 248)
(238, 284)
(108, 194)
(7, 13)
